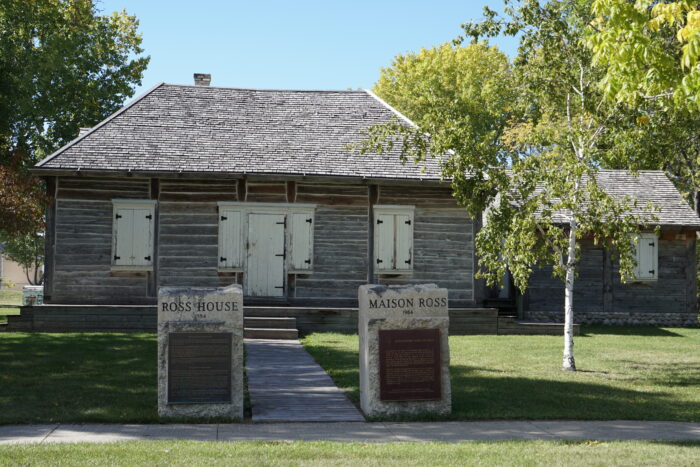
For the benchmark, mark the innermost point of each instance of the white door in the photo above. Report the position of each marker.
(265, 271)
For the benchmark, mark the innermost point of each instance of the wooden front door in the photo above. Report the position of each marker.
(265, 270)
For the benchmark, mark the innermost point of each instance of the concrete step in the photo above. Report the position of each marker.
(268, 322)
(266, 333)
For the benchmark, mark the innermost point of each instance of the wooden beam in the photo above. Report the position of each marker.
(242, 189)
(373, 199)
(50, 237)
(153, 275)
(607, 281)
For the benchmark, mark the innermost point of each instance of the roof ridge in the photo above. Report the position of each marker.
(387, 105)
(357, 91)
(99, 125)
(632, 170)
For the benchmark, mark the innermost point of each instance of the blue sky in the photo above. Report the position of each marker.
(290, 44)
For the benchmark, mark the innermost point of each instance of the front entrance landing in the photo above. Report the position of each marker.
(287, 385)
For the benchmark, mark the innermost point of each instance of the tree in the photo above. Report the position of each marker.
(650, 62)
(62, 66)
(534, 172)
(649, 49)
(28, 252)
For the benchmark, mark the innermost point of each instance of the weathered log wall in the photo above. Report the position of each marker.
(443, 241)
(186, 247)
(83, 243)
(600, 297)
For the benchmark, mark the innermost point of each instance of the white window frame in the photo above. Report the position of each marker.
(389, 210)
(247, 208)
(644, 276)
(118, 204)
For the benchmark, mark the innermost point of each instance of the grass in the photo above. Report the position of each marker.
(638, 373)
(9, 297)
(77, 378)
(625, 373)
(192, 453)
(81, 377)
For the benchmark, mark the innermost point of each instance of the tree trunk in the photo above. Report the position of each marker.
(696, 201)
(568, 362)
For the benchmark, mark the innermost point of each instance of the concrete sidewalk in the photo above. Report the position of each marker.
(357, 431)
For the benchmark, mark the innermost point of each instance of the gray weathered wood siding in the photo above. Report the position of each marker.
(546, 293)
(443, 241)
(83, 242)
(341, 243)
(673, 292)
(186, 247)
(601, 297)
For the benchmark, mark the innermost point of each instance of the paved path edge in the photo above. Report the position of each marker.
(357, 431)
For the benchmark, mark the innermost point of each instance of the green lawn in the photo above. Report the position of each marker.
(191, 453)
(637, 373)
(9, 297)
(626, 373)
(77, 377)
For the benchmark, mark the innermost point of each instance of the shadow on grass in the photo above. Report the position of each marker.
(78, 377)
(650, 331)
(490, 394)
(503, 397)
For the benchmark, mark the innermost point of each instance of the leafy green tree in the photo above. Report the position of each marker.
(649, 54)
(533, 168)
(649, 49)
(63, 66)
(28, 252)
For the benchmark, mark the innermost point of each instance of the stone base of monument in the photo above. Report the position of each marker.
(200, 352)
(404, 350)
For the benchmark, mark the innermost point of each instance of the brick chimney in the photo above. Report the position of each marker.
(202, 79)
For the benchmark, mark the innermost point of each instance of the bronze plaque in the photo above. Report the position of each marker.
(409, 365)
(199, 367)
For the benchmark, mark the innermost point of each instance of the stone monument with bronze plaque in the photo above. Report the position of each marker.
(404, 351)
(200, 352)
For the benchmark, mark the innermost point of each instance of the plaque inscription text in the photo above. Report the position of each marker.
(199, 367)
(409, 365)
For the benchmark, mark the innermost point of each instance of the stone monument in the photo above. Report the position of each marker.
(200, 352)
(404, 350)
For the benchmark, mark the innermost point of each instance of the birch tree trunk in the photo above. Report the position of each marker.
(568, 362)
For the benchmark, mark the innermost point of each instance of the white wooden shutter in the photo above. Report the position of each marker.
(384, 242)
(230, 239)
(404, 241)
(302, 234)
(133, 231)
(647, 257)
(123, 236)
(142, 237)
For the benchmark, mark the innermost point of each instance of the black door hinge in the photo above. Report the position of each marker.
(408, 261)
(117, 257)
(308, 261)
(379, 261)
(309, 221)
(652, 272)
(223, 218)
(147, 258)
(222, 259)
(379, 221)
(408, 222)
(652, 244)
(279, 286)
(118, 216)
(150, 216)
(282, 255)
